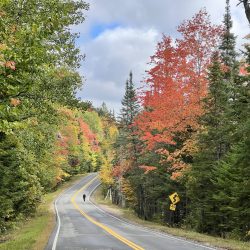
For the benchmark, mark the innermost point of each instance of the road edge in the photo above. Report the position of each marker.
(155, 231)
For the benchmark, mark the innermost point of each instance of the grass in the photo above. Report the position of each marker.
(33, 234)
(204, 239)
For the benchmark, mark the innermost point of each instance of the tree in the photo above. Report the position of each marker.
(38, 61)
(227, 47)
(216, 172)
(38, 56)
(212, 146)
(130, 106)
(246, 4)
(178, 83)
(126, 140)
(231, 177)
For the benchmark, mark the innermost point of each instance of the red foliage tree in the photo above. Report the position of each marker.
(178, 81)
(91, 137)
(176, 84)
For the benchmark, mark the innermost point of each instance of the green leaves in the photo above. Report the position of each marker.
(38, 61)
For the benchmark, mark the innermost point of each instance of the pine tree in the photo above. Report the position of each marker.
(232, 178)
(130, 105)
(227, 47)
(229, 60)
(126, 144)
(219, 180)
(130, 109)
(211, 149)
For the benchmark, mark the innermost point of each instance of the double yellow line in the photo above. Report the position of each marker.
(107, 229)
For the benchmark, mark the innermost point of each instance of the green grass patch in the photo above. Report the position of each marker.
(204, 239)
(33, 233)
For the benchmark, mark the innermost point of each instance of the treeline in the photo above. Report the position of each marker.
(190, 133)
(46, 134)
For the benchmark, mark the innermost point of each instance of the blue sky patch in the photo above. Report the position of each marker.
(97, 29)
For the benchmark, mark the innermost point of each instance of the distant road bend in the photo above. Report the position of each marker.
(82, 225)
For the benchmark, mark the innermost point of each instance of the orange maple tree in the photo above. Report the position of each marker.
(177, 81)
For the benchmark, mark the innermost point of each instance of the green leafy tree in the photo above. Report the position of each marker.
(38, 61)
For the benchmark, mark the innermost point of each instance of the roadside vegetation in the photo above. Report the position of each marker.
(130, 216)
(33, 233)
(47, 135)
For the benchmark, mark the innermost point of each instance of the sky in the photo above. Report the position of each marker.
(120, 36)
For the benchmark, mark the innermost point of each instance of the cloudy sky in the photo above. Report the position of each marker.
(119, 36)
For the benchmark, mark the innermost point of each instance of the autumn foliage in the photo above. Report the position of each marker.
(177, 82)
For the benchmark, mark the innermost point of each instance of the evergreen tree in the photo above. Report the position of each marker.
(211, 149)
(130, 105)
(127, 139)
(227, 47)
(218, 180)
(231, 177)
(126, 144)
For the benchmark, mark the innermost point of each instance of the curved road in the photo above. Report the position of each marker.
(82, 225)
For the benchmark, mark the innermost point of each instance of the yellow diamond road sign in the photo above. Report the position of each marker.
(172, 207)
(174, 198)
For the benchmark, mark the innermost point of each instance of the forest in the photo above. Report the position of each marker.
(186, 131)
(47, 135)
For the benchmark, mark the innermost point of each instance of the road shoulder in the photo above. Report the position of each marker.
(130, 217)
(34, 232)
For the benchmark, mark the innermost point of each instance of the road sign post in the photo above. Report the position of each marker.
(172, 207)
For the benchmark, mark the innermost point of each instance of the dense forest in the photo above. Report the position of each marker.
(46, 133)
(187, 132)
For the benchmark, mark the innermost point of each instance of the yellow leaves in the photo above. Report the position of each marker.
(113, 132)
(13, 28)
(61, 175)
(106, 173)
(3, 47)
(128, 191)
(190, 145)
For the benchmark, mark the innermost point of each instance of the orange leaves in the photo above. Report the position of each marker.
(147, 169)
(243, 70)
(175, 86)
(124, 166)
(118, 171)
(177, 81)
(10, 65)
(14, 102)
(91, 137)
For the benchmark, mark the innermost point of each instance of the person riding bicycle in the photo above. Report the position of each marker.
(84, 197)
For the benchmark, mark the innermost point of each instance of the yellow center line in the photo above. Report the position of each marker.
(107, 229)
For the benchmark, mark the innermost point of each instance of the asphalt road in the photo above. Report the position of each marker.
(82, 225)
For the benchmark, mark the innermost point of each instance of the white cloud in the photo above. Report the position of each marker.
(111, 56)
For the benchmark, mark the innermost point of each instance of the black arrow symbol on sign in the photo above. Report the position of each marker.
(175, 197)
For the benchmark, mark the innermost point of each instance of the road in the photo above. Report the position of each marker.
(82, 225)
